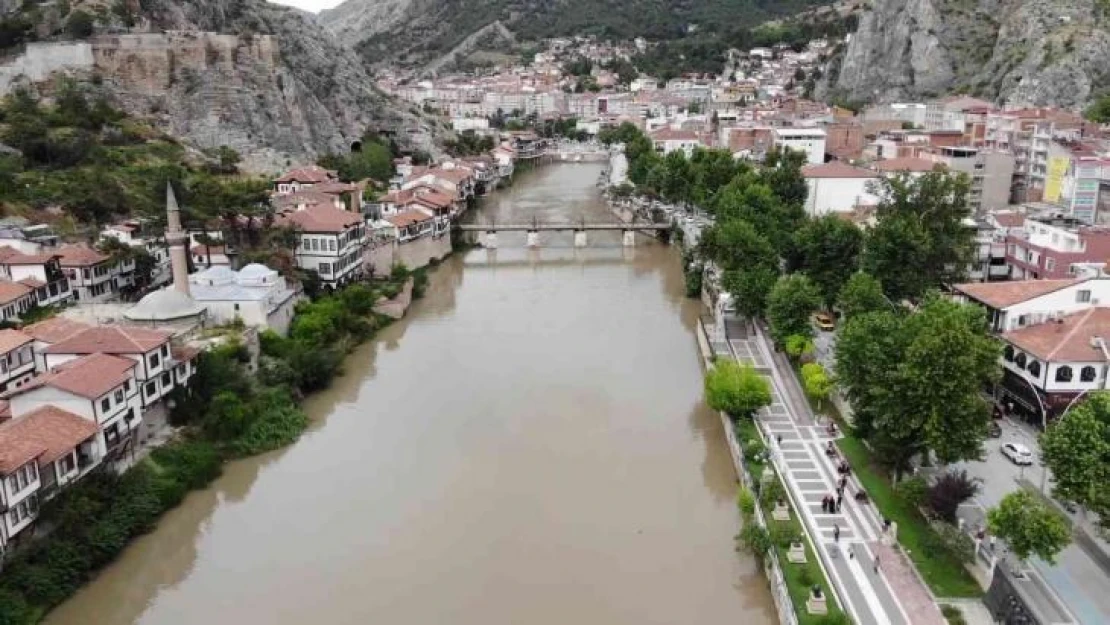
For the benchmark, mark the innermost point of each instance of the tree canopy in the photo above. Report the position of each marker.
(828, 249)
(790, 304)
(736, 389)
(921, 240)
(1029, 526)
(914, 380)
(861, 294)
(1077, 450)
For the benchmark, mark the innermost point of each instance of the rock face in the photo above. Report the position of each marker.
(265, 80)
(1027, 52)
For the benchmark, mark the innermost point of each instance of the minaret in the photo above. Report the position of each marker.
(176, 239)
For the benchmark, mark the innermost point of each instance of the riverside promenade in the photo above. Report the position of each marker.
(872, 577)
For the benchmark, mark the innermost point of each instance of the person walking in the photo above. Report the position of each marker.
(836, 533)
(839, 501)
(876, 563)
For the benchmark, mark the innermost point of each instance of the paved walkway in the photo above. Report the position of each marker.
(875, 582)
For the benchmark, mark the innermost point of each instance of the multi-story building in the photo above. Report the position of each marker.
(1054, 248)
(16, 298)
(17, 359)
(94, 277)
(330, 242)
(41, 451)
(837, 188)
(809, 141)
(140, 234)
(990, 171)
(667, 140)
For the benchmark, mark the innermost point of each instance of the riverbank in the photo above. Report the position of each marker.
(234, 408)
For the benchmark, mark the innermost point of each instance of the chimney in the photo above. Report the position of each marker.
(176, 239)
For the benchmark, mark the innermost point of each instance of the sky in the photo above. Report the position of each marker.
(309, 5)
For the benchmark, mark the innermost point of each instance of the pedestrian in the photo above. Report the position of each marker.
(876, 563)
(825, 504)
(839, 501)
(836, 533)
(778, 439)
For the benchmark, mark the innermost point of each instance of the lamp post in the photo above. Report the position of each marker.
(1044, 426)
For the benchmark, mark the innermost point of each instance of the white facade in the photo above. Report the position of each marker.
(837, 195)
(810, 141)
(256, 295)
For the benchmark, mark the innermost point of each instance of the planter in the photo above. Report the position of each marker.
(797, 553)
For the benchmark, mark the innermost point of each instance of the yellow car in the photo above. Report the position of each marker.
(825, 321)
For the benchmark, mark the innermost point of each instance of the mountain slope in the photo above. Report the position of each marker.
(416, 31)
(265, 80)
(1029, 52)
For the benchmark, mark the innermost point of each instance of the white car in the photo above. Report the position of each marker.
(1017, 453)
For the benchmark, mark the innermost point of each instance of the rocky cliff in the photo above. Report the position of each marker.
(263, 79)
(1027, 52)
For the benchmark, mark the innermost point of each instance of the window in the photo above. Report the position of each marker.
(236, 306)
(127, 386)
(1008, 353)
(151, 388)
(1034, 369)
(67, 464)
(23, 510)
(325, 269)
(1063, 374)
(154, 360)
(166, 379)
(106, 404)
(1049, 264)
(1083, 296)
(166, 350)
(1019, 361)
(118, 396)
(1088, 374)
(331, 244)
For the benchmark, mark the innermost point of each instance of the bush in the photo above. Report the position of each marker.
(912, 491)
(952, 614)
(953, 540)
(80, 25)
(754, 450)
(948, 491)
(737, 389)
(772, 493)
(745, 500)
(756, 540)
(782, 534)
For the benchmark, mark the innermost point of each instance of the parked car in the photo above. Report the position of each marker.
(1017, 453)
(825, 321)
(994, 430)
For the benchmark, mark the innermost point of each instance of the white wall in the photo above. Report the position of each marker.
(836, 195)
(1064, 301)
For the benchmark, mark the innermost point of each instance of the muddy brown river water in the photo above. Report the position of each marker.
(528, 446)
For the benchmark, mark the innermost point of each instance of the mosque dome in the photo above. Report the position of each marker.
(214, 276)
(165, 305)
(255, 274)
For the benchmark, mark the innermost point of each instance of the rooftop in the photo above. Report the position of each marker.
(906, 163)
(1000, 295)
(320, 219)
(46, 433)
(89, 376)
(111, 340)
(13, 339)
(11, 291)
(1067, 339)
(80, 256)
(836, 169)
(55, 329)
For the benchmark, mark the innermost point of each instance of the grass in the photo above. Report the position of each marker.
(799, 577)
(943, 572)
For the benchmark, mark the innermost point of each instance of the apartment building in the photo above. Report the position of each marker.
(1053, 248)
(330, 242)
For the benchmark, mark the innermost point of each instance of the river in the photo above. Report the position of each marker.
(529, 445)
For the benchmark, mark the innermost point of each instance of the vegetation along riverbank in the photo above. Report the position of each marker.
(228, 412)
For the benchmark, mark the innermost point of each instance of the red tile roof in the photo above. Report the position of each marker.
(111, 340)
(836, 169)
(311, 175)
(1005, 294)
(13, 339)
(184, 353)
(1065, 340)
(11, 291)
(34, 283)
(11, 256)
(80, 256)
(55, 329)
(408, 218)
(46, 433)
(320, 219)
(667, 134)
(89, 376)
(1009, 219)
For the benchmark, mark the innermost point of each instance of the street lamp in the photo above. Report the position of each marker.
(1044, 426)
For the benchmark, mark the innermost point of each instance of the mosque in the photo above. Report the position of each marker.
(256, 294)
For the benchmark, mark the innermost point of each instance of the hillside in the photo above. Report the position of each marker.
(1026, 52)
(265, 80)
(414, 32)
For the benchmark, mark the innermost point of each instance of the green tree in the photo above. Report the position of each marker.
(1099, 111)
(827, 250)
(798, 346)
(750, 288)
(80, 24)
(868, 349)
(734, 244)
(677, 182)
(816, 382)
(789, 306)
(1029, 526)
(920, 240)
(736, 389)
(1077, 449)
(861, 294)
